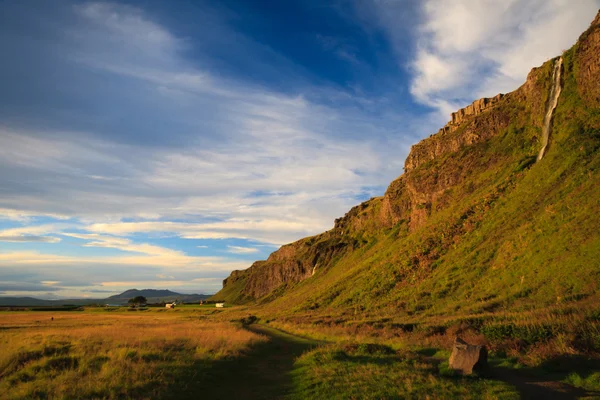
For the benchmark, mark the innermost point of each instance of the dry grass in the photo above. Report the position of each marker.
(533, 337)
(97, 355)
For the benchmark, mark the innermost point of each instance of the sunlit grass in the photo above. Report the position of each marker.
(378, 372)
(97, 355)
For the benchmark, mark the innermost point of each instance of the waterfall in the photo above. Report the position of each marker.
(551, 106)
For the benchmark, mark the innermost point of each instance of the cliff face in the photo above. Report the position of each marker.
(476, 108)
(480, 121)
(588, 73)
(491, 134)
(290, 264)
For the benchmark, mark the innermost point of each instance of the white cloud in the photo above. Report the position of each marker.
(29, 238)
(166, 260)
(24, 216)
(466, 50)
(35, 229)
(50, 283)
(34, 233)
(164, 276)
(242, 250)
(272, 231)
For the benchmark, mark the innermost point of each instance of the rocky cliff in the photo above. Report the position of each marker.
(587, 75)
(451, 181)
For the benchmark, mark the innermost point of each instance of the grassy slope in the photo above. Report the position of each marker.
(516, 234)
(509, 257)
(512, 254)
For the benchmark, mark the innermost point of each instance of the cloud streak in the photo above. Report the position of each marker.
(29, 238)
(242, 250)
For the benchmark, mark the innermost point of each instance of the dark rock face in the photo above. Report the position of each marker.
(467, 358)
(588, 55)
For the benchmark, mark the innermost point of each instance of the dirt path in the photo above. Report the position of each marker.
(263, 373)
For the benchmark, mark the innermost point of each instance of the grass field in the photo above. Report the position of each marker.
(369, 371)
(110, 355)
(188, 353)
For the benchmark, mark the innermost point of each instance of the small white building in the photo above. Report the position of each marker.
(220, 305)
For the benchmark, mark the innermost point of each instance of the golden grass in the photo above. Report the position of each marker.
(97, 355)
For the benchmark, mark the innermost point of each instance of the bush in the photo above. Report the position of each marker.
(368, 349)
(530, 334)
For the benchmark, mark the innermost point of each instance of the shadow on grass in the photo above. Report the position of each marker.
(544, 382)
(262, 373)
(427, 351)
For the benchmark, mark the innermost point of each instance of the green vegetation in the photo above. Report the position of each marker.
(369, 371)
(585, 381)
(137, 300)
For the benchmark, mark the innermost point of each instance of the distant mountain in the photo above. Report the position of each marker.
(152, 295)
(131, 293)
(155, 296)
(24, 301)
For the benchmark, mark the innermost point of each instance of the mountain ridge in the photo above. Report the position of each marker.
(152, 295)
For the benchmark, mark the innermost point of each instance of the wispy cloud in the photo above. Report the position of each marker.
(27, 287)
(239, 138)
(29, 238)
(242, 250)
(467, 50)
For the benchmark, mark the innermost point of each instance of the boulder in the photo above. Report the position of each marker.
(467, 358)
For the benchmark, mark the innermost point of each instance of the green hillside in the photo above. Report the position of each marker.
(476, 228)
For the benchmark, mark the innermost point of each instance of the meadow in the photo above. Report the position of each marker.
(108, 355)
(114, 353)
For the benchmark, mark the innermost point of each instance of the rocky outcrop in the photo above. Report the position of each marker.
(476, 108)
(588, 58)
(467, 358)
(234, 277)
(449, 140)
(483, 119)
(290, 264)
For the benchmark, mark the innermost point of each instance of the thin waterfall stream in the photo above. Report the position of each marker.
(551, 106)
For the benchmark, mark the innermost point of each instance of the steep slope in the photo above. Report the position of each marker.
(475, 223)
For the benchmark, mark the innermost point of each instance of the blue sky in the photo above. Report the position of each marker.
(155, 144)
